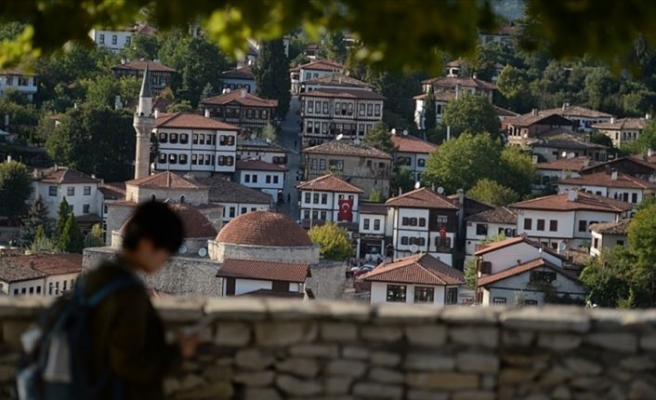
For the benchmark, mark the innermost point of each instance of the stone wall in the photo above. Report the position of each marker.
(266, 349)
(300, 254)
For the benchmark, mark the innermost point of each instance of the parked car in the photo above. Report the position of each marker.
(363, 270)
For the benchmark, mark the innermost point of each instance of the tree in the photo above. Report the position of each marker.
(520, 172)
(375, 196)
(333, 47)
(95, 238)
(272, 75)
(142, 46)
(470, 273)
(71, 239)
(37, 218)
(269, 132)
(513, 83)
(332, 240)
(646, 140)
(208, 91)
(471, 113)
(63, 212)
(101, 91)
(182, 106)
(42, 244)
(128, 89)
(491, 192)
(402, 179)
(608, 284)
(430, 112)
(379, 137)
(604, 140)
(15, 189)
(460, 163)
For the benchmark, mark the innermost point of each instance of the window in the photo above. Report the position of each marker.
(421, 162)
(128, 40)
(452, 295)
(595, 243)
(424, 294)
(183, 159)
(232, 212)
(308, 198)
(324, 198)
(87, 191)
(443, 244)
(275, 179)
(620, 243)
(481, 229)
(528, 224)
(370, 110)
(173, 138)
(542, 276)
(336, 165)
(163, 137)
(184, 138)
(194, 138)
(325, 107)
(634, 197)
(15, 291)
(365, 223)
(442, 220)
(173, 158)
(244, 210)
(583, 225)
(254, 178)
(530, 302)
(38, 290)
(396, 293)
(322, 215)
(85, 209)
(404, 240)
(377, 110)
(247, 178)
(553, 225)
(114, 39)
(70, 191)
(540, 226)
(322, 165)
(267, 179)
(422, 221)
(101, 39)
(23, 290)
(194, 159)
(310, 107)
(499, 301)
(413, 221)
(349, 109)
(161, 158)
(361, 111)
(52, 191)
(315, 198)
(31, 290)
(306, 214)
(376, 224)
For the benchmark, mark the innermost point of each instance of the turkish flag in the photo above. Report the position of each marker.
(345, 210)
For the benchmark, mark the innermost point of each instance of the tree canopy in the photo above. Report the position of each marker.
(272, 75)
(332, 240)
(15, 189)
(379, 137)
(471, 113)
(491, 192)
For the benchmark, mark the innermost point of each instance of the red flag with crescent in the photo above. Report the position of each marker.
(345, 210)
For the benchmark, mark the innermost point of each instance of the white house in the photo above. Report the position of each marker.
(585, 118)
(260, 149)
(624, 130)
(482, 226)
(562, 168)
(39, 274)
(312, 70)
(193, 143)
(329, 198)
(521, 271)
(412, 152)
(334, 81)
(236, 199)
(80, 190)
(20, 81)
(112, 40)
(261, 175)
(424, 222)
(371, 237)
(418, 279)
(608, 235)
(240, 78)
(561, 221)
(614, 185)
(263, 278)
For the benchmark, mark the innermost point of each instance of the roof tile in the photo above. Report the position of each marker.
(499, 215)
(421, 198)
(192, 121)
(28, 267)
(343, 93)
(329, 183)
(264, 270)
(606, 180)
(264, 228)
(140, 65)
(584, 202)
(62, 175)
(521, 268)
(166, 179)
(612, 228)
(242, 97)
(422, 269)
(258, 165)
(225, 191)
(347, 149)
(412, 144)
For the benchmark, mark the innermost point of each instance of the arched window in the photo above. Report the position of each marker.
(182, 199)
(153, 198)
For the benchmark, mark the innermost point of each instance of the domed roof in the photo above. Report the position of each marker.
(264, 228)
(194, 223)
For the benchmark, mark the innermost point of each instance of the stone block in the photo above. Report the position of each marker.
(298, 387)
(382, 333)
(648, 342)
(537, 396)
(528, 359)
(349, 311)
(516, 338)
(487, 337)
(554, 376)
(253, 393)
(214, 391)
(406, 314)
(253, 359)
(171, 385)
(513, 376)
(429, 362)
(385, 358)
(285, 309)
(581, 366)
(240, 308)
(339, 332)
(233, 334)
(561, 392)
(488, 381)
(255, 378)
(191, 381)
(550, 319)
(350, 368)
(641, 390)
(281, 334)
(356, 353)
(621, 342)
(442, 380)
(417, 394)
(477, 362)
(386, 375)
(373, 390)
(315, 350)
(215, 373)
(338, 385)
(474, 395)
(477, 316)
(179, 309)
(559, 342)
(426, 335)
(589, 383)
(22, 307)
(302, 367)
(638, 363)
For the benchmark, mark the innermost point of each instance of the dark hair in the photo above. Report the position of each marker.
(157, 222)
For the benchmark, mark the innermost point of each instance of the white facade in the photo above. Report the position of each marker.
(415, 162)
(196, 150)
(270, 182)
(53, 285)
(113, 40)
(517, 290)
(440, 107)
(324, 205)
(410, 237)
(478, 232)
(233, 210)
(602, 241)
(519, 253)
(243, 286)
(372, 224)
(379, 293)
(18, 81)
(628, 195)
(83, 199)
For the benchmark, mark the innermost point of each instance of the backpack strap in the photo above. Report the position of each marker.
(119, 283)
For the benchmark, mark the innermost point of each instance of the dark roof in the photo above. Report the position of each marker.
(165, 179)
(412, 144)
(373, 208)
(140, 65)
(576, 111)
(488, 248)
(612, 228)
(421, 198)
(584, 202)
(225, 191)
(538, 119)
(321, 65)
(245, 73)
(264, 270)
(343, 93)
(452, 81)
(347, 149)
(264, 228)
(499, 215)
(568, 141)
(146, 90)
(260, 145)
(622, 124)
(62, 175)
(192, 121)
(113, 191)
(646, 163)
(28, 267)
(421, 269)
(258, 165)
(606, 180)
(502, 112)
(337, 79)
(272, 293)
(565, 164)
(329, 183)
(242, 97)
(521, 268)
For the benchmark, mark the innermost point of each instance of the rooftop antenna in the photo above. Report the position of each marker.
(405, 132)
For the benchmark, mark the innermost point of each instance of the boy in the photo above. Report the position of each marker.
(127, 334)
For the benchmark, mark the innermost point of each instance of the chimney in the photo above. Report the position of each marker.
(612, 120)
(534, 111)
(647, 116)
(207, 113)
(168, 179)
(156, 111)
(565, 106)
(457, 91)
(586, 162)
(400, 191)
(650, 152)
(613, 174)
(572, 195)
(535, 159)
(461, 197)
(243, 93)
(474, 76)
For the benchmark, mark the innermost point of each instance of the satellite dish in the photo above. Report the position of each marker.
(393, 131)
(440, 190)
(339, 137)
(202, 252)
(417, 185)
(562, 246)
(414, 248)
(253, 136)
(571, 155)
(405, 132)
(183, 249)
(564, 154)
(356, 141)
(268, 141)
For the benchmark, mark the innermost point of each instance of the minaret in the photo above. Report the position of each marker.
(144, 123)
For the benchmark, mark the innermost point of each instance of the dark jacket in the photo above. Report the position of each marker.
(128, 337)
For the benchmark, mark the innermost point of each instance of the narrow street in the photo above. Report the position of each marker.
(289, 139)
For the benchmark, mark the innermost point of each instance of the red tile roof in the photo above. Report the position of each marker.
(343, 94)
(521, 268)
(440, 95)
(347, 149)
(61, 175)
(28, 267)
(113, 191)
(321, 65)
(606, 180)
(245, 73)
(537, 119)
(166, 179)
(329, 183)
(192, 121)
(337, 79)
(583, 202)
(412, 144)
(273, 293)
(420, 269)
(565, 164)
(140, 65)
(242, 97)
(421, 198)
(488, 248)
(264, 228)
(612, 228)
(576, 111)
(452, 81)
(258, 165)
(373, 208)
(499, 215)
(622, 124)
(224, 191)
(264, 270)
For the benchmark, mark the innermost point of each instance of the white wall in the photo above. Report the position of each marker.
(371, 219)
(379, 293)
(474, 240)
(24, 84)
(508, 288)
(330, 206)
(227, 152)
(113, 40)
(238, 209)
(417, 164)
(250, 285)
(565, 224)
(60, 283)
(509, 256)
(276, 181)
(78, 200)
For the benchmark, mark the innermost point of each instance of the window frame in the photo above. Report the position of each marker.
(396, 293)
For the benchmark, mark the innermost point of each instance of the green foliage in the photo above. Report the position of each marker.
(95, 238)
(42, 244)
(142, 46)
(128, 89)
(63, 213)
(375, 196)
(646, 140)
(514, 85)
(15, 189)
(332, 240)
(333, 47)
(379, 137)
(473, 114)
(100, 91)
(95, 140)
(519, 171)
(269, 132)
(608, 282)
(602, 139)
(36, 219)
(71, 239)
(402, 179)
(208, 91)
(491, 192)
(470, 273)
(430, 112)
(182, 106)
(272, 75)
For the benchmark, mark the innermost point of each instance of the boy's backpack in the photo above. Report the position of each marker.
(58, 350)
